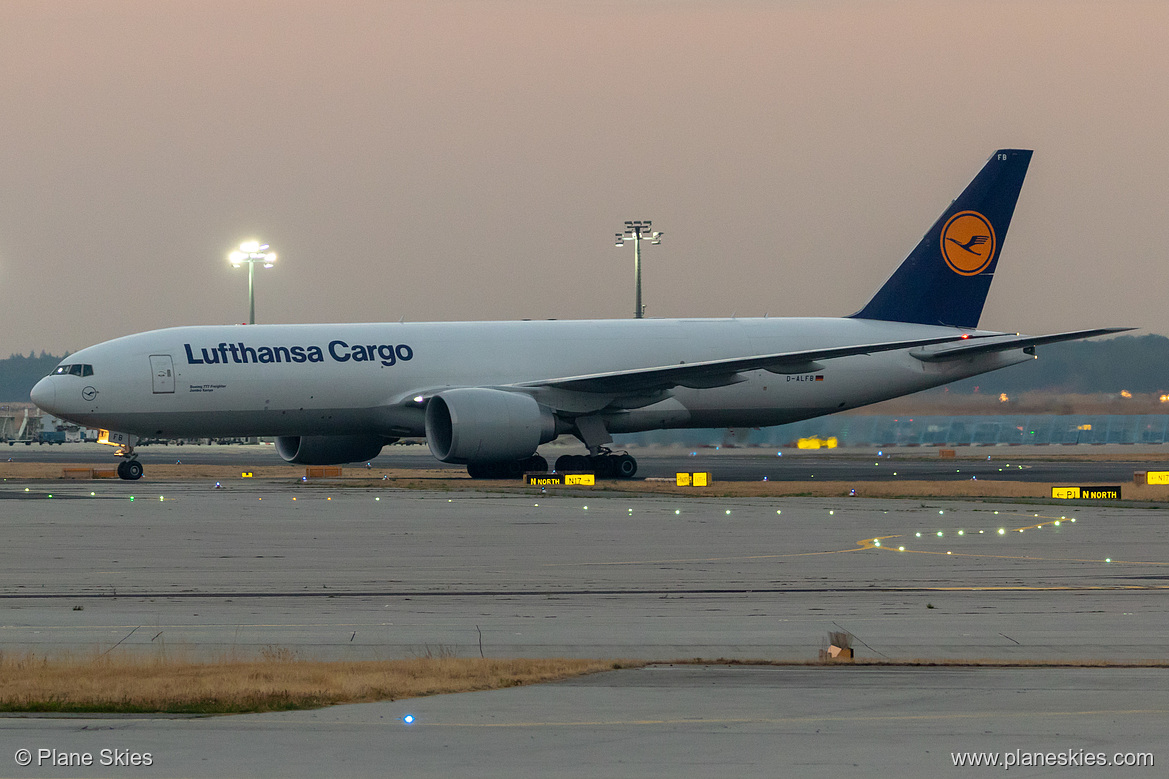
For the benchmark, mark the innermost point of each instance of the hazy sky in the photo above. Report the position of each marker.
(472, 160)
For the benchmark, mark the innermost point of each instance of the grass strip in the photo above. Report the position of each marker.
(132, 684)
(448, 480)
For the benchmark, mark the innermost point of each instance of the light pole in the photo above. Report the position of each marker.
(251, 252)
(638, 231)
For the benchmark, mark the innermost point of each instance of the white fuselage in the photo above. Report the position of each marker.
(343, 379)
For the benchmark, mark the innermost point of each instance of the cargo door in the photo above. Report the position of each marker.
(163, 370)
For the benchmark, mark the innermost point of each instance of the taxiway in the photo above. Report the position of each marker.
(330, 571)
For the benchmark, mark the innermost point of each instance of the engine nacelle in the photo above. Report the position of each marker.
(482, 425)
(329, 449)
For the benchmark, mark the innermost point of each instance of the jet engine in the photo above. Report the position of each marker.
(330, 449)
(481, 425)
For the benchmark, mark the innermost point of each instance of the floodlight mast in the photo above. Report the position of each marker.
(638, 231)
(252, 252)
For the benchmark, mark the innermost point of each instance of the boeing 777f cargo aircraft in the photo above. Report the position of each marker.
(487, 394)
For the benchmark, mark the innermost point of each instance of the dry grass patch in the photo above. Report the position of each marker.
(278, 682)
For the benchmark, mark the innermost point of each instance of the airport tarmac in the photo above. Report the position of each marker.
(336, 572)
(354, 572)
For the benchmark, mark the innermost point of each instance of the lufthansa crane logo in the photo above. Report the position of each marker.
(968, 243)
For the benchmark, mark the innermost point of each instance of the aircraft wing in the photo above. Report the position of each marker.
(1004, 343)
(718, 373)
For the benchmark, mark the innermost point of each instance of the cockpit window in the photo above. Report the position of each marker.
(74, 370)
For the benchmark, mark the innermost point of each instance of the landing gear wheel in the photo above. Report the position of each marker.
(626, 466)
(130, 470)
(535, 464)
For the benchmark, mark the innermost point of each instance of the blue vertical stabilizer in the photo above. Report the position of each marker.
(944, 280)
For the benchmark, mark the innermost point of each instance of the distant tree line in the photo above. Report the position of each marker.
(18, 374)
(1137, 363)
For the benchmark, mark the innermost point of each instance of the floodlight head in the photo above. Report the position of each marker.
(236, 257)
(250, 246)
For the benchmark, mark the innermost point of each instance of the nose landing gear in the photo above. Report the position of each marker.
(129, 469)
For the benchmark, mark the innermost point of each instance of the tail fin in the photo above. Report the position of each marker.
(945, 279)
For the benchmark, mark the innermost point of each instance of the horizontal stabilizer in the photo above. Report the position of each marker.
(1005, 343)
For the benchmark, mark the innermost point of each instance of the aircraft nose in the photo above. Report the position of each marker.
(44, 394)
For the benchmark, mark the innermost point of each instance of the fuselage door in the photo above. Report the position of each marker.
(162, 369)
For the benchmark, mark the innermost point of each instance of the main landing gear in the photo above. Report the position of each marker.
(605, 464)
(600, 460)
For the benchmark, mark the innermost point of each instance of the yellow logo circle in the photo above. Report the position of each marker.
(968, 243)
